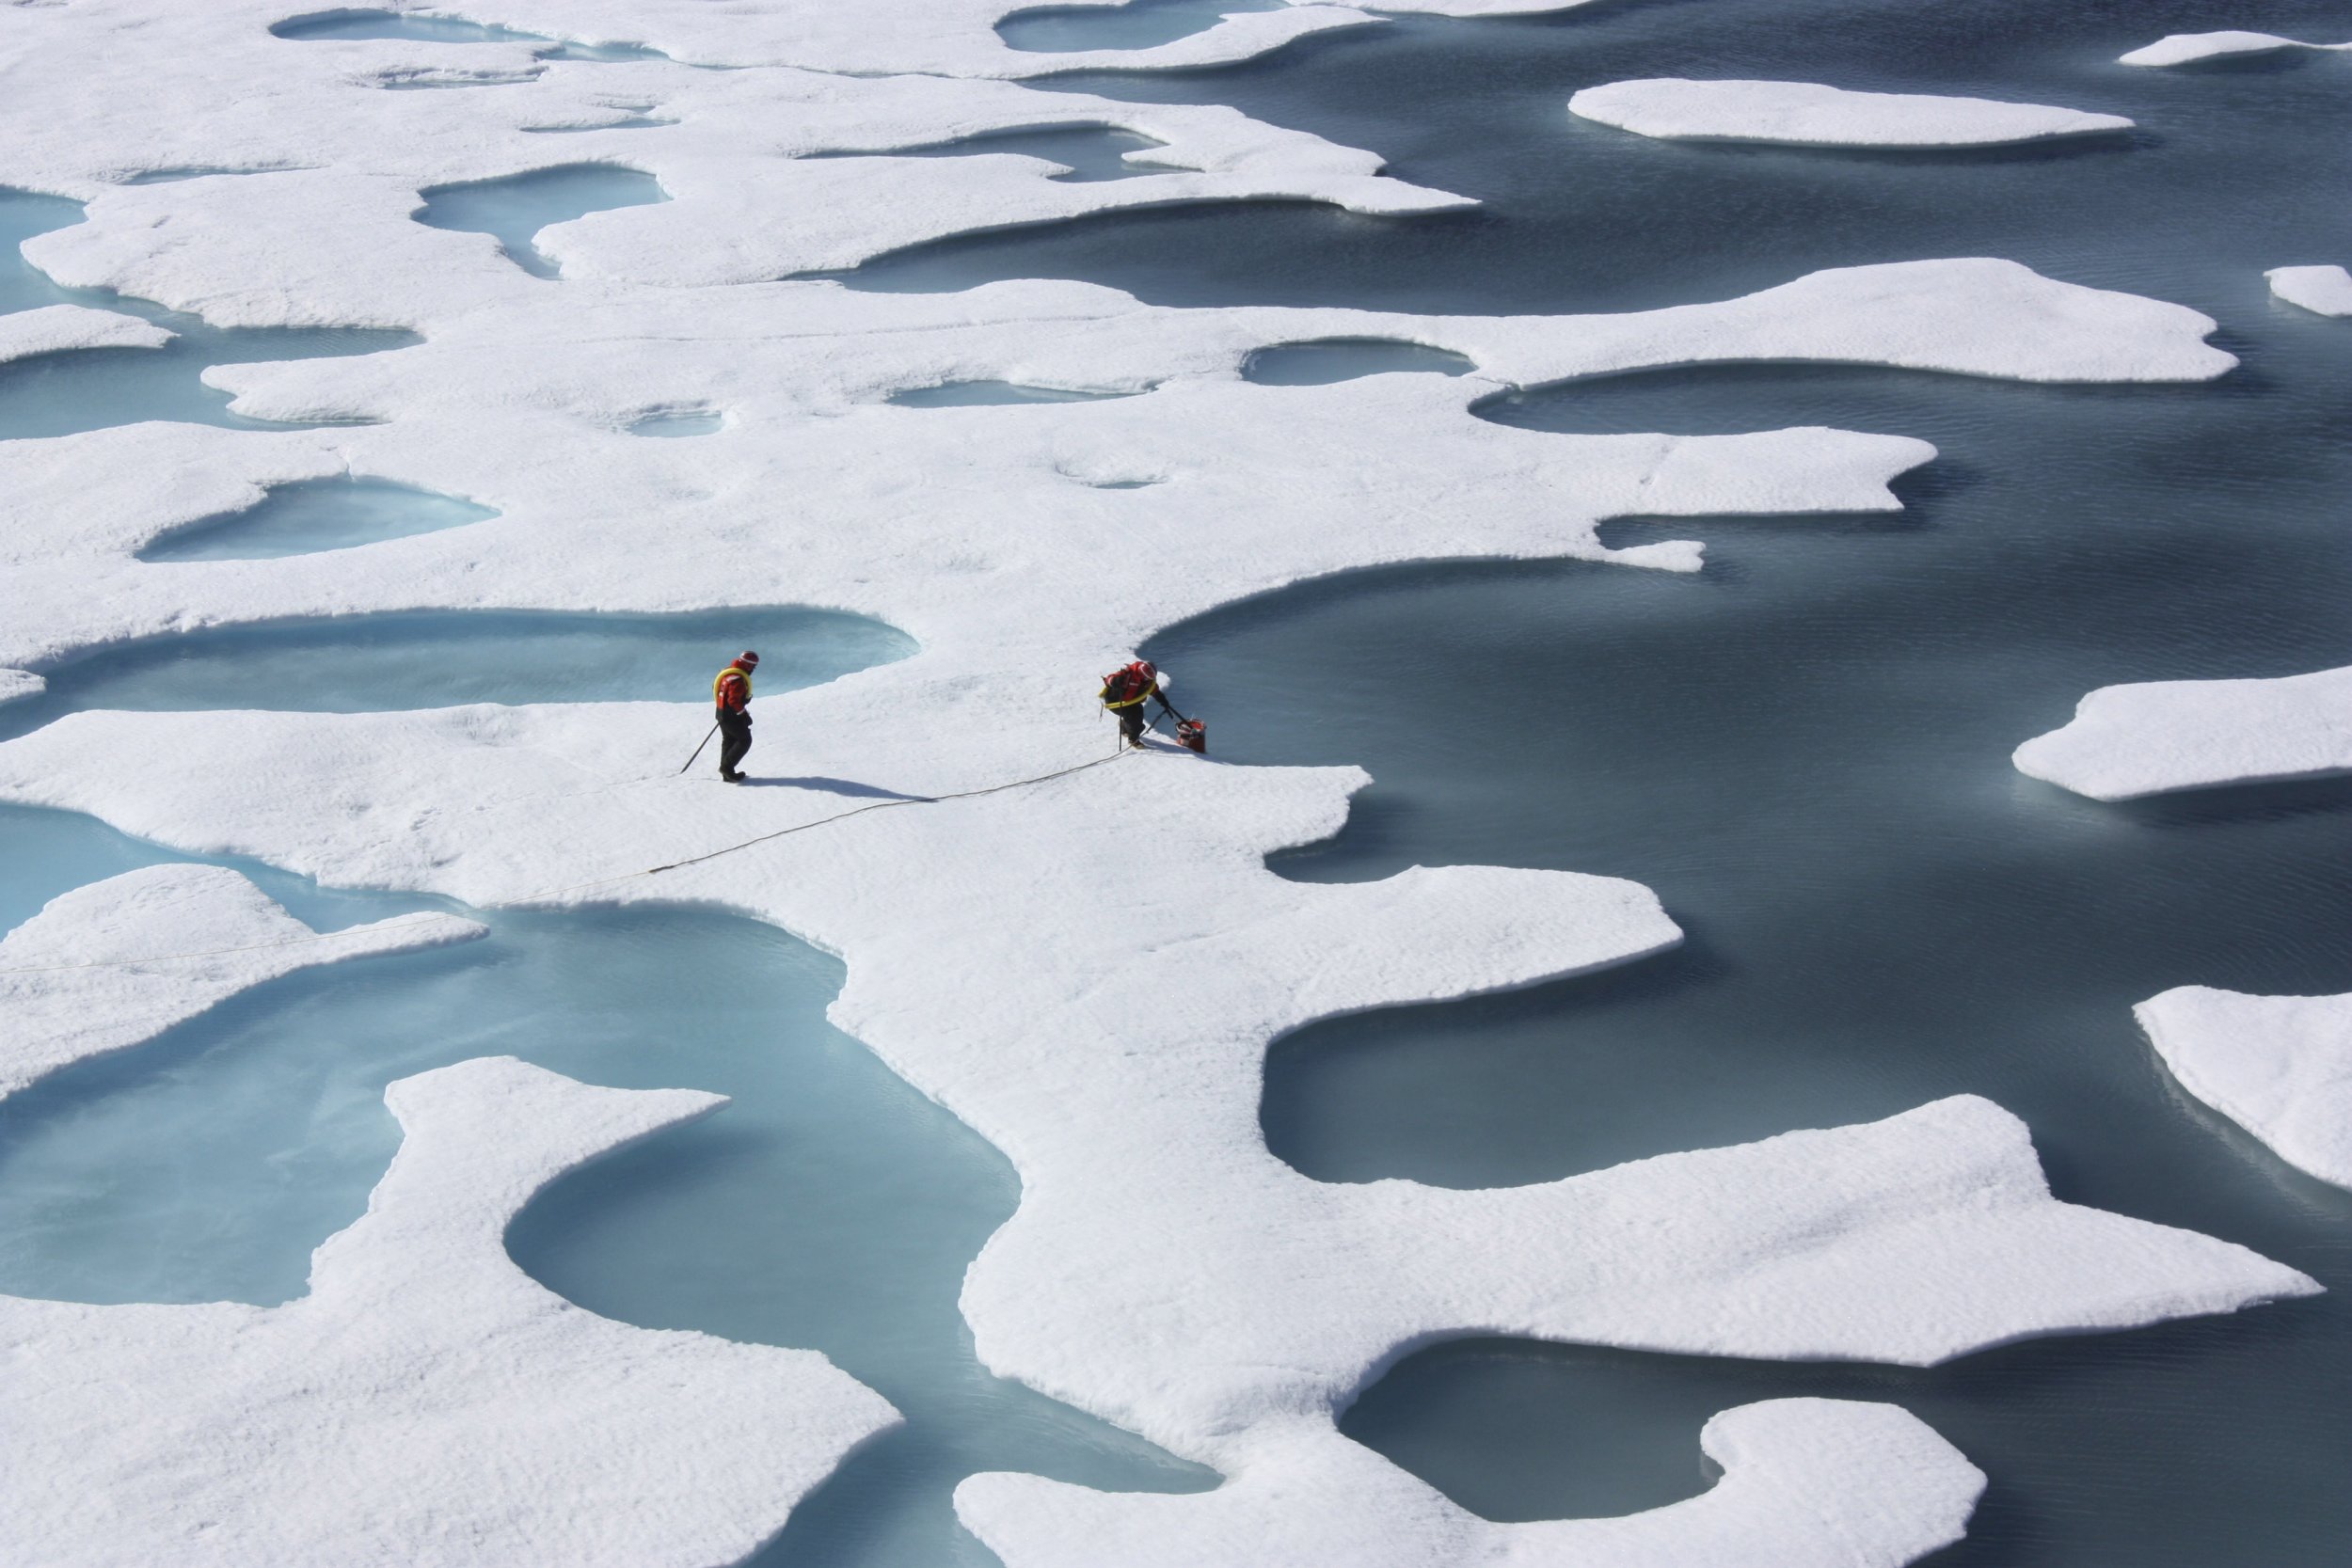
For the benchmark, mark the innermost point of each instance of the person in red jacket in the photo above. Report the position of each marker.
(1124, 693)
(732, 691)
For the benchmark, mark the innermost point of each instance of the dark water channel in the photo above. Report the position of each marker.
(2232, 170)
(1804, 751)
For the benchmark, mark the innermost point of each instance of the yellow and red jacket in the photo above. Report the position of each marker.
(732, 689)
(1127, 687)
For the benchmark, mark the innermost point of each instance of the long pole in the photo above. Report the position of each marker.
(698, 750)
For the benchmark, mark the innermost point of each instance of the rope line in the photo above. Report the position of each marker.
(425, 917)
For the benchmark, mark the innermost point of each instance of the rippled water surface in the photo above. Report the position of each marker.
(1803, 748)
(512, 210)
(444, 658)
(63, 394)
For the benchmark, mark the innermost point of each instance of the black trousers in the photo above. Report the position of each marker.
(1131, 723)
(735, 738)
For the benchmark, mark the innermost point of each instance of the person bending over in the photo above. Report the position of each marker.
(1124, 693)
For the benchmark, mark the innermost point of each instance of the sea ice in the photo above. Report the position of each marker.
(1809, 114)
(75, 981)
(1163, 1269)
(426, 1402)
(18, 686)
(2190, 48)
(2280, 1066)
(2327, 290)
(56, 328)
(2151, 737)
(1804, 1484)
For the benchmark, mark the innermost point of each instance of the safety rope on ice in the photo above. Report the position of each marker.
(424, 917)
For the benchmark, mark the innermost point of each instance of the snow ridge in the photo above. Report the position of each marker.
(2280, 1066)
(1809, 114)
(2153, 736)
(2176, 49)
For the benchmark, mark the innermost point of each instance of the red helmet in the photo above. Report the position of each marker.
(1143, 667)
(748, 660)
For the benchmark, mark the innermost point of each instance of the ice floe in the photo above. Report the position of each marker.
(76, 981)
(2280, 1066)
(810, 368)
(1163, 1269)
(2156, 735)
(1805, 1482)
(2190, 48)
(2326, 291)
(426, 1402)
(18, 686)
(1809, 114)
(56, 328)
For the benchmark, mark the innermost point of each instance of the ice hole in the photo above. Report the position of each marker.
(1092, 153)
(393, 24)
(1137, 24)
(633, 122)
(613, 53)
(671, 423)
(1245, 252)
(513, 209)
(966, 394)
(442, 659)
(320, 25)
(189, 171)
(1516, 1430)
(313, 515)
(435, 81)
(1331, 359)
(1728, 399)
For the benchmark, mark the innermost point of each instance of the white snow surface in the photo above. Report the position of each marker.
(1809, 114)
(18, 686)
(1804, 1484)
(2190, 48)
(2280, 1066)
(55, 329)
(1095, 998)
(2326, 291)
(2152, 736)
(426, 1402)
(76, 981)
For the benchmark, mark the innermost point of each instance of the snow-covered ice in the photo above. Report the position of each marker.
(1809, 114)
(56, 328)
(426, 1402)
(1804, 1484)
(2190, 48)
(75, 980)
(2151, 737)
(1162, 1270)
(2280, 1066)
(18, 686)
(2327, 290)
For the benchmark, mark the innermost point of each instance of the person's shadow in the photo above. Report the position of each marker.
(837, 786)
